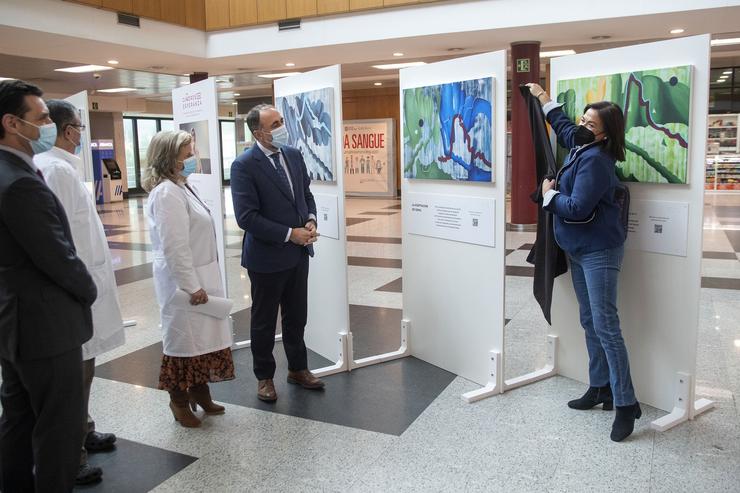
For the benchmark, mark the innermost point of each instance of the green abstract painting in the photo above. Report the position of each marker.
(656, 108)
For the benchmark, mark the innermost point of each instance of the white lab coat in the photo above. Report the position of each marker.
(185, 257)
(62, 173)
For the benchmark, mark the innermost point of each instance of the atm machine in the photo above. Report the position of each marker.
(107, 174)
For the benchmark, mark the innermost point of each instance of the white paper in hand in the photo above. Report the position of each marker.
(216, 307)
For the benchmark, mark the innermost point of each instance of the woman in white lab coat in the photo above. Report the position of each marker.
(197, 347)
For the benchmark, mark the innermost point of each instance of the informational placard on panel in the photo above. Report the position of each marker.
(658, 226)
(369, 157)
(452, 217)
(327, 215)
(195, 110)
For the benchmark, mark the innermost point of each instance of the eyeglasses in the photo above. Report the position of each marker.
(80, 127)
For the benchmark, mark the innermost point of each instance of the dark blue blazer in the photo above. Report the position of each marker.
(265, 210)
(586, 215)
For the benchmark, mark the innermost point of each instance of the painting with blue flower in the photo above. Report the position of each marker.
(309, 119)
(448, 131)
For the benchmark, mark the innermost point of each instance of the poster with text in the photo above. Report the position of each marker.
(195, 110)
(369, 157)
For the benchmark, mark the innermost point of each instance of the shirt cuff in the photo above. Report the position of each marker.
(549, 106)
(547, 198)
(287, 237)
(312, 217)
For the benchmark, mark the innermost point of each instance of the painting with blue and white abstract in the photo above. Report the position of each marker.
(448, 131)
(309, 118)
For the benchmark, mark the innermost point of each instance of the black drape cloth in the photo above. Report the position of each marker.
(548, 258)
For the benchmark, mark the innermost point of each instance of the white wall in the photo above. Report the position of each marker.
(453, 292)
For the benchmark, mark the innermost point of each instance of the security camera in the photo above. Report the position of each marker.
(96, 76)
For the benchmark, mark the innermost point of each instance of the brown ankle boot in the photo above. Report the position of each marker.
(180, 410)
(201, 395)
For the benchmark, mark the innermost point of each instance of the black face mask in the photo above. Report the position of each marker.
(583, 136)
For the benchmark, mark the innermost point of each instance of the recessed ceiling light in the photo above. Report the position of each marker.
(83, 68)
(600, 37)
(234, 102)
(551, 54)
(113, 62)
(118, 89)
(398, 53)
(237, 94)
(277, 76)
(6, 78)
(290, 64)
(186, 75)
(725, 42)
(377, 83)
(395, 66)
(677, 31)
(721, 80)
(728, 72)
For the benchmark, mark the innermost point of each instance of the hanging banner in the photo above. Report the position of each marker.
(195, 110)
(369, 157)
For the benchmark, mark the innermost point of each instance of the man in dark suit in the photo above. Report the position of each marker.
(45, 298)
(274, 205)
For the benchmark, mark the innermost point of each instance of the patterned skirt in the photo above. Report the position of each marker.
(185, 372)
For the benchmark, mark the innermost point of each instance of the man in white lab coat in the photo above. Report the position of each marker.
(62, 170)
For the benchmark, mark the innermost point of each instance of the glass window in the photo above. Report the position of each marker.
(168, 125)
(129, 144)
(720, 100)
(228, 146)
(146, 129)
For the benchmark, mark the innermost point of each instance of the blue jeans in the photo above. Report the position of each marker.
(595, 277)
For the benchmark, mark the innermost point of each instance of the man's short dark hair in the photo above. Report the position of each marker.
(253, 117)
(62, 113)
(13, 98)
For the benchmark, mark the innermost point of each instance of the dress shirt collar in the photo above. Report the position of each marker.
(26, 158)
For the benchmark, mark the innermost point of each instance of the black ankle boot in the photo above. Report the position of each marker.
(593, 397)
(624, 422)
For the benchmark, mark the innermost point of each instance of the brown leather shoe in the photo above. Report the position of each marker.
(305, 379)
(266, 390)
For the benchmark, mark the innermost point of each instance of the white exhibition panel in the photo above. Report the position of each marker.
(453, 292)
(328, 304)
(658, 293)
(196, 106)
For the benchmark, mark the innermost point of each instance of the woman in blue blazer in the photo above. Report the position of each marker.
(588, 228)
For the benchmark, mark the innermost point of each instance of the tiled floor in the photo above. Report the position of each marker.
(402, 426)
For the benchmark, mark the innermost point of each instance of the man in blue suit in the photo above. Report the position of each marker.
(274, 205)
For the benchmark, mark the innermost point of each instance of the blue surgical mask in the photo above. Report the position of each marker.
(280, 137)
(78, 147)
(47, 137)
(189, 166)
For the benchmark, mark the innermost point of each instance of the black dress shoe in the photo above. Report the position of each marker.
(593, 397)
(88, 474)
(624, 421)
(99, 442)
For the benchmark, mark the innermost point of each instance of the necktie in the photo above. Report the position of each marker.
(281, 172)
(41, 175)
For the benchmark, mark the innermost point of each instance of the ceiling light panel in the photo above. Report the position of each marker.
(396, 66)
(83, 69)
